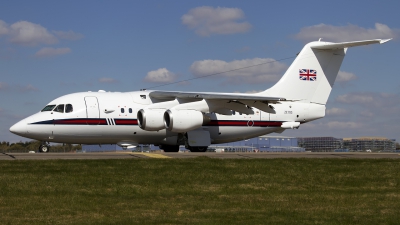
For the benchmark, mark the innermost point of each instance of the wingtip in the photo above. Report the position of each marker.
(385, 40)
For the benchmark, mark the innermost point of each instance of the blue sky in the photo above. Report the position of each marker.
(52, 48)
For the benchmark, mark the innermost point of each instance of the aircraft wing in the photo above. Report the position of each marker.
(212, 96)
(221, 103)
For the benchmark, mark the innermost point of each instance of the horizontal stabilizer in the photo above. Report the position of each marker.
(333, 46)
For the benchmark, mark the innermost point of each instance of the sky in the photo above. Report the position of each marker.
(52, 48)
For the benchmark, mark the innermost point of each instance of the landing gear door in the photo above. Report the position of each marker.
(198, 138)
(92, 107)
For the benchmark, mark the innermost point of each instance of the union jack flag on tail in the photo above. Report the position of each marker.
(306, 74)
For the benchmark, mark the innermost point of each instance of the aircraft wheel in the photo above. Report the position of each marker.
(198, 149)
(170, 148)
(44, 148)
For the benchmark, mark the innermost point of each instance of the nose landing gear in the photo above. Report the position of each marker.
(44, 147)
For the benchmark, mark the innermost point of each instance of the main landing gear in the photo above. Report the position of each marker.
(170, 148)
(44, 147)
(198, 149)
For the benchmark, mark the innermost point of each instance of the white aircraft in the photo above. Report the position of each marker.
(194, 119)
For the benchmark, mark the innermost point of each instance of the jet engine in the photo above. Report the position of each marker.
(184, 120)
(151, 119)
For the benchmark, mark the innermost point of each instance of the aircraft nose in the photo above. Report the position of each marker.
(19, 128)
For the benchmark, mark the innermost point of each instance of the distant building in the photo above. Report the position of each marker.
(369, 143)
(320, 144)
(331, 144)
(279, 144)
(261, 144)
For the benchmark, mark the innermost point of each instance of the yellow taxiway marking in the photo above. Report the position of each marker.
(153, 155)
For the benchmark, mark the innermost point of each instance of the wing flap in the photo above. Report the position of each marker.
(212, 96)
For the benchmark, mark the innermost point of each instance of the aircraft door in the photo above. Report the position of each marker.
(92, 107)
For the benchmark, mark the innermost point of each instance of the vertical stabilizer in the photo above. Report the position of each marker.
(311, 76)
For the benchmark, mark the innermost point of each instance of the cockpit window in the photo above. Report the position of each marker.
(68, 108)
(59, 108)
(48, 108)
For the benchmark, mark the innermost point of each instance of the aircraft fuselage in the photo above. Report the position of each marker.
(111, 117)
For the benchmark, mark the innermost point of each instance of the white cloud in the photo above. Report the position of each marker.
(268, 72)
(250, 92)
(68, 35)
(207, 20)
(336, 112)
(161, 75)
(17, 87)
(344, 77)
(107, 80)
(366, 114)
(381, 104)
(27, 88)
(183, 83)
(3, 28)
(346, 33)
(356, 98)
(47, 52)
(30, 34)
(343, 125)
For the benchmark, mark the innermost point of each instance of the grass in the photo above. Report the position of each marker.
(200, 191)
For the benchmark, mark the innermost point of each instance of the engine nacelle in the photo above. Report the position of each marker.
(151, 119)
(184, 120)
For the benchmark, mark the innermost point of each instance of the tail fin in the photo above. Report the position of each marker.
(312, 74)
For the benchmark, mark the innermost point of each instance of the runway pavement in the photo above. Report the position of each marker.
(237, 155)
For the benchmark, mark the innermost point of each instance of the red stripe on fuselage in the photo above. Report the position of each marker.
(126, 122)
(238, 123)
(267, 124)
(81, 122)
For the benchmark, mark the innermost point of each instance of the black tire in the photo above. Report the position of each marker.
(170, 148)
(198, 149)
(44, 148)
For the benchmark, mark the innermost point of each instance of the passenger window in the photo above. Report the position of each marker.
(130, 110)
(122, 110)
(48, 108)
(68, 108)
(59, 108)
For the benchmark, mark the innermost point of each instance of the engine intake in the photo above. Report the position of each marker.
(184, 120)
(151, 119)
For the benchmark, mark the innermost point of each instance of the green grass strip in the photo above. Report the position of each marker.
(200, 191)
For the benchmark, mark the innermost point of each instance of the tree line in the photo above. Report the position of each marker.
(34, 146)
